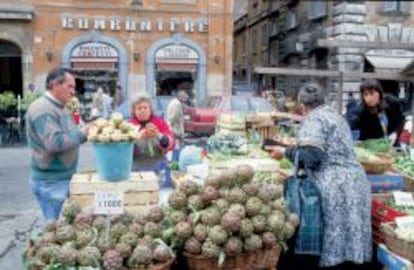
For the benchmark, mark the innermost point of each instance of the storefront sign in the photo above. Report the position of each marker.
(129, 24)
(95, 50)
(176, 52)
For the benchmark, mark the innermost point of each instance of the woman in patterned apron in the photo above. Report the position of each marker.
(326, 147)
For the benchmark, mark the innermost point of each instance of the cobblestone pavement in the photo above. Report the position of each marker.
(19, 211)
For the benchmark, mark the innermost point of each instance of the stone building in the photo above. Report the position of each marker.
(153, 46)
(294, 28)
(251, 40)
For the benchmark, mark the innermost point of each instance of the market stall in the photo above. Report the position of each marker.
(390, 174)
(227, 210)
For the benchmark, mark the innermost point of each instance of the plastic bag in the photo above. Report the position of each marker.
(189, 155)
(303, 198)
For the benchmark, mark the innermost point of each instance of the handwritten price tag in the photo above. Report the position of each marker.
(405, 222)
(108, 203)
(403, 198)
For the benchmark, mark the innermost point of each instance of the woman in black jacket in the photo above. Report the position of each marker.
(377, 115)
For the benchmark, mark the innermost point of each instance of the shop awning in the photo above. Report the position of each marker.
(186, 67)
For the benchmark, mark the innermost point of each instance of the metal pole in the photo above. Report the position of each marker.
(412, 123)
(340, 92)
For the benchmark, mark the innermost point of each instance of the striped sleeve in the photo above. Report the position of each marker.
(55, 139)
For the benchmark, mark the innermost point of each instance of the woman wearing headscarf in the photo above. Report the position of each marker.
(377, 115)
(155, 137)
(325, 147)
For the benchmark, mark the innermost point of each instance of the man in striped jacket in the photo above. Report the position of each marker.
(54, 140)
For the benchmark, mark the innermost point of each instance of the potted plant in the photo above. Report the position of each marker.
(28, 99)
(8, 104)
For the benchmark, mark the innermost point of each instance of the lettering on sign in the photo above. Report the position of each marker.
(176, 52)
(130, 24)
(108, 203)
(95, 50)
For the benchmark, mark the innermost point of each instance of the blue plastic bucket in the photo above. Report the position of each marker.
(113, 160)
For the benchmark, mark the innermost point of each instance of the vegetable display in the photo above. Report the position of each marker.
(229, 215)
(364, 155)
(227, 144)
(376, 145)
(404, 165)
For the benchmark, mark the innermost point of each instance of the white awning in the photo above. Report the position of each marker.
(389, 58)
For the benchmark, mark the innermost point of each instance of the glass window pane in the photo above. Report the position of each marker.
(261, 105)
(239, 104)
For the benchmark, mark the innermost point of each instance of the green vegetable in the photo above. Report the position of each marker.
(376, 145)
(173, 166)
(364, 155)
(405, 165)
(285, 163)
(409, 210)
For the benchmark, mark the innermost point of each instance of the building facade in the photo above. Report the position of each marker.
(294, 28)
(251, 41)
(152, 46)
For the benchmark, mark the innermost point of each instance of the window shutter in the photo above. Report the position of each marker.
(317, 9)
(390, 6)
(405, 7)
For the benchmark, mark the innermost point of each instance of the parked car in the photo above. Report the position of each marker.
(159, 106)
(202, 121)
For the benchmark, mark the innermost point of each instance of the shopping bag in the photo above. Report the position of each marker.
(303, 198)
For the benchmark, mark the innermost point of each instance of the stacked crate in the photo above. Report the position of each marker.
(140, 191)
(381, 212)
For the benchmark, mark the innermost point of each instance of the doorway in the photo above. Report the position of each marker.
(11, 78)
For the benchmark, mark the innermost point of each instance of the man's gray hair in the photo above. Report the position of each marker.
(311, 95)
(57, 75)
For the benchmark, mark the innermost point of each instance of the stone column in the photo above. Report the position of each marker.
(27, 70)
(348, 25)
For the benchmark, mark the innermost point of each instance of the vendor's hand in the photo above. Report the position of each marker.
(152, 131)
(392, 138)
(276, 152)
(85, 129)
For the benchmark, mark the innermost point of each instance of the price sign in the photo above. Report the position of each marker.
(108, 203)
(403, 198)
(405, 222)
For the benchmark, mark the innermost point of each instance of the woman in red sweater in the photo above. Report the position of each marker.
(155, 137)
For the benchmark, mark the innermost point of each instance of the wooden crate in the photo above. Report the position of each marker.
(141, 190)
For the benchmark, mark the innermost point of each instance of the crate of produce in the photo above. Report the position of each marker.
(384, 208)
(399, 240)
(376, 167)
(377, 236)
(140, 191)
(391, 260)
(382, 212)
(265, 131)
(373, 163)
(405, 166)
